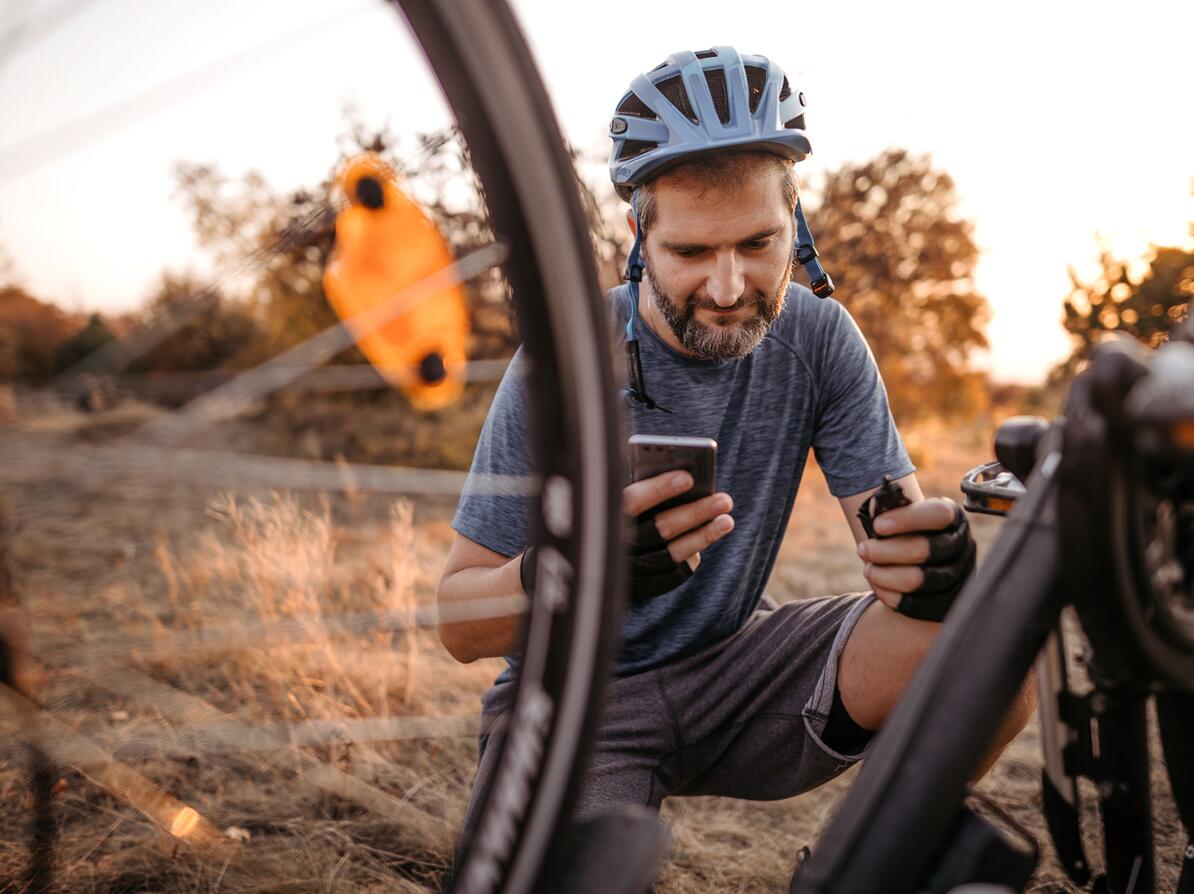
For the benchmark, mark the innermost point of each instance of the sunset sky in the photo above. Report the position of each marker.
(1058, 121)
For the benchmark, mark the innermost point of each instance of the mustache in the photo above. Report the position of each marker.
(757, 299)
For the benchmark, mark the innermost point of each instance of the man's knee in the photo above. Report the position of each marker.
(879, 659)
(883, 653)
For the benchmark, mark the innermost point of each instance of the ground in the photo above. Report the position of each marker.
(201, 659)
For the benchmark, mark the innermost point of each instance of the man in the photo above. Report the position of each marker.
(718, 690)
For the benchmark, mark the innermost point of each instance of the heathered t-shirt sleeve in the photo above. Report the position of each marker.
(855, 438)
(500, 522)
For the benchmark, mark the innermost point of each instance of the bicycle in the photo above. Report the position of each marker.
(1103, 522)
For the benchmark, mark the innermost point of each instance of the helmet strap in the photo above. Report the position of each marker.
(806, 256)
(634, 276)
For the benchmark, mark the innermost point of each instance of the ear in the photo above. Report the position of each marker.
(630, 222)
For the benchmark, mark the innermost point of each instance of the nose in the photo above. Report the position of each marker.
(726, 281)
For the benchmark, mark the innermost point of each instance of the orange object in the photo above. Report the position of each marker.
(1183, 434)
(385, 244)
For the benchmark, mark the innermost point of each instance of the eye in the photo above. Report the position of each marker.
(686, 252)
(757, 244)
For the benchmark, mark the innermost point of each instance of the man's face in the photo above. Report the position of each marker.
(718, 261)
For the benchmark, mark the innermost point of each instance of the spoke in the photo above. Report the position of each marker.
(28, 32)
(280, 633)
(64, 746)
(275, 374)
(118, 354)
(40, 149)
(321, 380)
(151, 467)
(243, 738)
(187, 710)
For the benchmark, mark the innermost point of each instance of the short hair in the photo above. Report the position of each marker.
(719, 169)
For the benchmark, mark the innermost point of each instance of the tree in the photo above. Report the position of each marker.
(903, 262)
(89, 339)
(222, 334)
(1144, 305)
(31, 332)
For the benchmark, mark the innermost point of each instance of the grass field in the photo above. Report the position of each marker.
(225, 716)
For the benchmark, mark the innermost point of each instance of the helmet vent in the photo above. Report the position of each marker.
(756, 80)
(635, 148)
(796, 123)
(716, 79)
(785, 91)
(632, 105)
(707, 54)
(674, 92)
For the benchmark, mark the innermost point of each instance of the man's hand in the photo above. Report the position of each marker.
(923, 558)
(665, 547)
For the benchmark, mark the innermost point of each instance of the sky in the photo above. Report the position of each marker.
(1061, 123)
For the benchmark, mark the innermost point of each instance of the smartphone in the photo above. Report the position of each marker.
(652, 455)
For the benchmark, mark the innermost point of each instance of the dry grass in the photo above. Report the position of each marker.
(177, 589)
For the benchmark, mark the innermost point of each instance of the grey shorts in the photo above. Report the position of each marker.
(743, 718)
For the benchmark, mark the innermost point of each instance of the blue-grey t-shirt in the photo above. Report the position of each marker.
(811, 383)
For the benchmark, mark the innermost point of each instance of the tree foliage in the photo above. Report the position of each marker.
(1144, 300)
(30, 334)
(89, 339)
(903, 261)
(223, 334)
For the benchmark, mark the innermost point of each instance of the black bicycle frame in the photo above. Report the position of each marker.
(892, 824)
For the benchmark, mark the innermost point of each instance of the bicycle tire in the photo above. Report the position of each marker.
(1160, 644)
(485, 69)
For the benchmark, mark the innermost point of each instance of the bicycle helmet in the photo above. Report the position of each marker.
(699, 102)
(694, 103)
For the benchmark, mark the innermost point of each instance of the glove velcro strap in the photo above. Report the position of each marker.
(657, 561)
(946, 545)
(952, 557)
(648, 586)
(653, 570)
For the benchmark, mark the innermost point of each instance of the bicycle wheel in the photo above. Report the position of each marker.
(79, 686)
(487, 74)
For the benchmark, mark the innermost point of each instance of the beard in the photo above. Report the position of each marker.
(723, 339)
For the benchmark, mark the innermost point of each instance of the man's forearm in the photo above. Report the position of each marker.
(480, 637)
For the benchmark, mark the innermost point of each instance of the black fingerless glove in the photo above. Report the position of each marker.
(653, 572)
(952, 554)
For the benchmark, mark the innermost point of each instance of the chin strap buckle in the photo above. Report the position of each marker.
(822, 286)
(806, 255)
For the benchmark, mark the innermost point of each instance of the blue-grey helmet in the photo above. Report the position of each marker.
(691, 104)
(698, 102)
